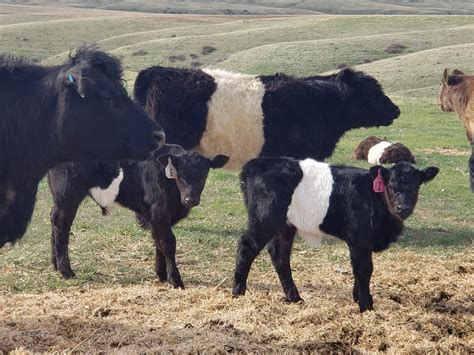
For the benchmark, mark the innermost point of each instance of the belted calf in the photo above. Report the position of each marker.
(378, 151)
(364, 208)
(159, 196)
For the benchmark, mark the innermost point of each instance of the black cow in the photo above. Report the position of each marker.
(76, 111)
(364, 208)
(245, 116)
(159, 196)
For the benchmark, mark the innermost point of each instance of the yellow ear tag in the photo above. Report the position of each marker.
(170, 170)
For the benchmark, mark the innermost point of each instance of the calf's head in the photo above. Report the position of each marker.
(402, 182)
(366, 103)
(189, 169)
(450, 94)
(96, 119)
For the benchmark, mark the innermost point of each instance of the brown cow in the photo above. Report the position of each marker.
(380, 151)
(457, 95)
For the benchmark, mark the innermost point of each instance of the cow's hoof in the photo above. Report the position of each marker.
(294, 299)
(161, 277)
(238, 290)
(355, 296)
(67, 274)
(366, 306)
(176, 284)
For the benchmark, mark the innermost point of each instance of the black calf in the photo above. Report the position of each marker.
(159, 196)
(364, 208)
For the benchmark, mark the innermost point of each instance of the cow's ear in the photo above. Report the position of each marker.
(429, 174)
(346, 75)
(72, 79)
(445, 75)
(457, 72)
(219, 161)
(455, 79)
(374, 172)
(170, 170)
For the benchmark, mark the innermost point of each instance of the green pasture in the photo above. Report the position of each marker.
(113, 250)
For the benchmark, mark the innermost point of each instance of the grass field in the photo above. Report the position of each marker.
(423, 286)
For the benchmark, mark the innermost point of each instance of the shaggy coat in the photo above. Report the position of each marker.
(457, 95)
(76, 111)
(159, 196)
(378, 151)
(284, 196)
(246, 116)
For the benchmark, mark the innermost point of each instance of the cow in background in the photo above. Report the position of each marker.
(380, 151)
(457, 95)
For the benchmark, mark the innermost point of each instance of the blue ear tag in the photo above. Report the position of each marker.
(70, 78)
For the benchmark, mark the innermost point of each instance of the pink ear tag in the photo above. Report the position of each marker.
(378, 185)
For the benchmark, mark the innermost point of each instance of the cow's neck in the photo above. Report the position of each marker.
(28, 137)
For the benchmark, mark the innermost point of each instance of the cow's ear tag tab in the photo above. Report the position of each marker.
(170, 170)
(378, 184)
(70, 78)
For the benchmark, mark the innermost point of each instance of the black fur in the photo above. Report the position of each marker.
(306, 117)
(367, 221)
(177, 100)
(45, 121)
(303, 117)
(158, 202)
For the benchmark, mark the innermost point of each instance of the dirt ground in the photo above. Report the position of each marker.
(423, 303)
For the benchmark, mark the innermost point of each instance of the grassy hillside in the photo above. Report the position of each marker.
(421, 286)
(274, 7)
(196, 8)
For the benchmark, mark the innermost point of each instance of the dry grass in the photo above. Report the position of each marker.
(448, 151)
(424, 308)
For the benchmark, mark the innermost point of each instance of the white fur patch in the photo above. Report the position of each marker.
(310, 201)
(376, 152)
(106, 197)
(235, 118)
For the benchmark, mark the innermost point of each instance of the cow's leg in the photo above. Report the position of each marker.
(250, 245)
(62, 217)
(165, 242)
(61, 222)
(280, 250)
(355, 291)
(160, 265)
(362, 267)
(16, 210)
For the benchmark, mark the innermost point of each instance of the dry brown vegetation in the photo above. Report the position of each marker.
(422, 304)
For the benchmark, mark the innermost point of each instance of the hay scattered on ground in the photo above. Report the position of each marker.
(423, 303)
